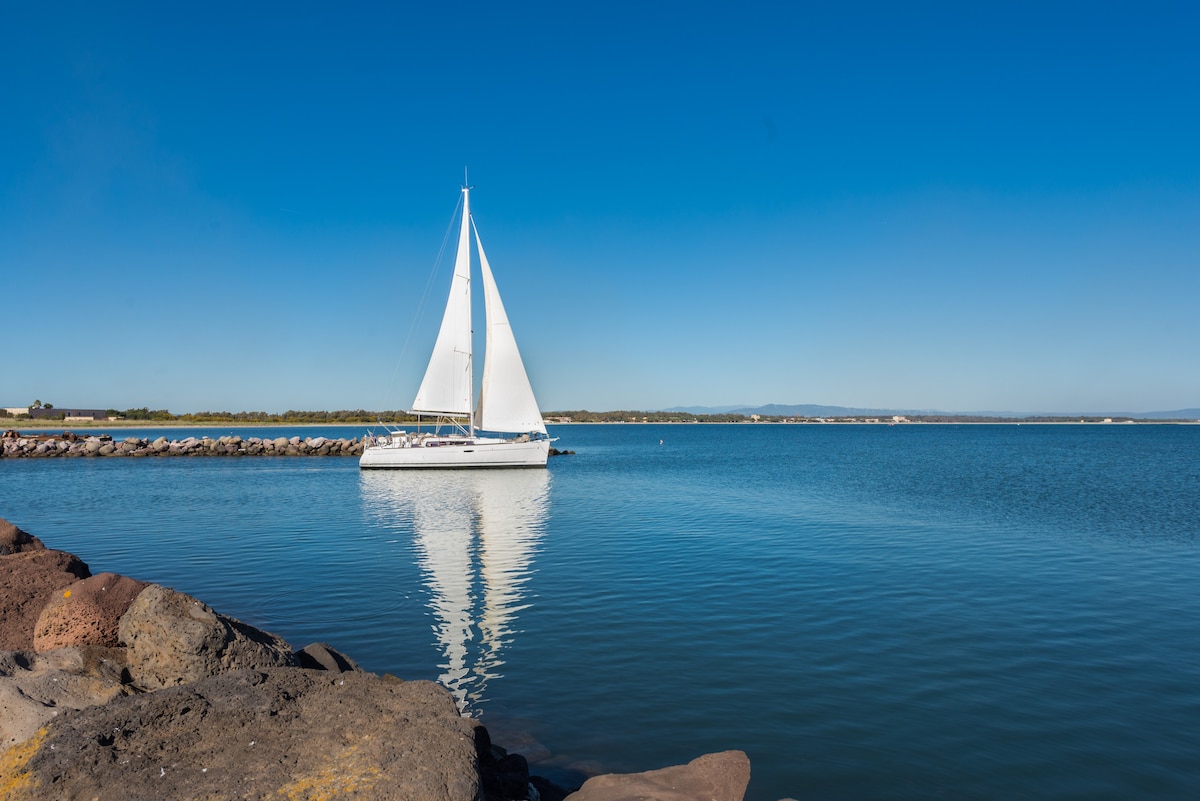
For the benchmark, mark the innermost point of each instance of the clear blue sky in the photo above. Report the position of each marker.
(955, 206)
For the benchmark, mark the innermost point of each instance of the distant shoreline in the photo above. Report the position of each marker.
(19, 425)
(1063, 422)
(8, 423)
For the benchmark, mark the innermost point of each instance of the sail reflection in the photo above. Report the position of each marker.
(475, 533)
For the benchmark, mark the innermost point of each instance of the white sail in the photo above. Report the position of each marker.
(446, 387)
(506, 401)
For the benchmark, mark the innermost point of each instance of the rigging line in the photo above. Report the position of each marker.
(421, 303)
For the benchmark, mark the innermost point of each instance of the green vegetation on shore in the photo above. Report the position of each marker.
(268, 418)
(163, 417)
(585, 416)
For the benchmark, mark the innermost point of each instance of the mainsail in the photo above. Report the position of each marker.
(446, 388)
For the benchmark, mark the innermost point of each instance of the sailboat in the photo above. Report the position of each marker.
(505, 428)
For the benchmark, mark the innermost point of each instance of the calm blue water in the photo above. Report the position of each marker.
(868, 611)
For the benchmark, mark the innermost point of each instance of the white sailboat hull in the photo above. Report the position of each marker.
(435, 452)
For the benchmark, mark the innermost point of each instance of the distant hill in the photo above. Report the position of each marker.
(704, 409)
(795, 410)
(1181, 414)
(811, 410)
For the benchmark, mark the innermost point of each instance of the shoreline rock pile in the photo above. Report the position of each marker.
(16, 446)
(113, 688)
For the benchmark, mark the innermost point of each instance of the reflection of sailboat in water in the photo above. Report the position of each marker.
(475, 533)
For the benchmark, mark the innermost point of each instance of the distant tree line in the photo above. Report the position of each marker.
(290, 416)
(141, 414)
(295, 416)
(575, 416)
(629, 416)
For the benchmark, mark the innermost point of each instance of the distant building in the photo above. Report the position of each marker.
(67, 414)
(13, 411)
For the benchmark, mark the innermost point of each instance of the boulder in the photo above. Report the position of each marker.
(222, 446)
(28, 580)
(504, 776)
(713, 777)
(322, 656)
(173, 638)
(87, 612)
(276, 733)
(34, 688)
(14, 540)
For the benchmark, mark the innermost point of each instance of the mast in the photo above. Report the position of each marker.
(464, 244)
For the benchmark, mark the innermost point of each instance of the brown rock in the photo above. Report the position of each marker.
(173, 638)
(28, 580)
(712, 777)
(35, 688)
(14, 540)
(322, 656)
(87, 612)
(277, 733)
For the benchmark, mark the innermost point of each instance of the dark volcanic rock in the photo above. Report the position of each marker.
(87, 612)
(277, 733)
(35, 688)
(173, 638)
(713, 777)
(14, 540)
(28, 580)
(322, 656)
(504, 776)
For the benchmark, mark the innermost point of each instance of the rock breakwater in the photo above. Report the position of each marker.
(66, 445)
(112, 689)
